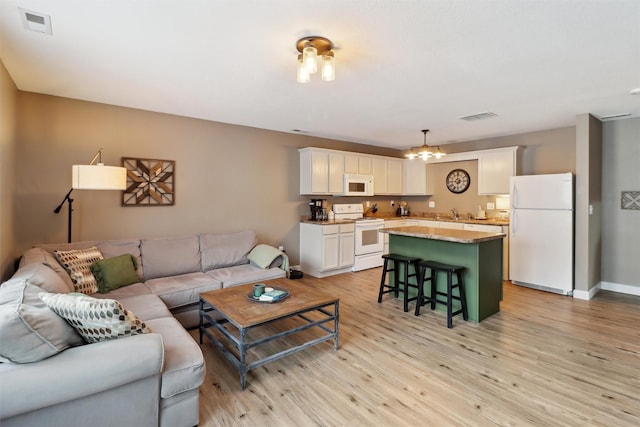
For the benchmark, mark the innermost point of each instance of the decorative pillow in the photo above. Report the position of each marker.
(113, 273)
(95, 319)
(78, 264)
(111, 248)
(29, 330)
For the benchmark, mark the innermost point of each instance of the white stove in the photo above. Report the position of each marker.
(369, 243)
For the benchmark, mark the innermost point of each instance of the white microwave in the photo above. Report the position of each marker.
(357, 185)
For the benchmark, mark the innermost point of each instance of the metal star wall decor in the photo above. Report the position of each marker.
(630, 200)
(150, 182)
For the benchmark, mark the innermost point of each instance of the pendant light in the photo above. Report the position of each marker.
(312, 49)
(424, 152)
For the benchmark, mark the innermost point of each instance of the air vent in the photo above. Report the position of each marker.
(479, 116)
(615, 116)
(34, 21)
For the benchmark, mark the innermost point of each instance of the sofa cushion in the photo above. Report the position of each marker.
(41, 256)
(78, 262)
(225, 250)
(125, 292)
(170, 257)
(241, 274)
(115, 272)
(146, 307)
(42, 276)
(178, 291)
(95, 319)
(29, 330)
(184, 367)
(111, 248)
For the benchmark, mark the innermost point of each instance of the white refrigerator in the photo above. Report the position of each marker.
(541, 232)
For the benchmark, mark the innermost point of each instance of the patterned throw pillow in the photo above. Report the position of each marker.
(78, 265)
(95, 319)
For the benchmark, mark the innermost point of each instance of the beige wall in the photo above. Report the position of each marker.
(8, 94)
(620, 227)
(227, 177)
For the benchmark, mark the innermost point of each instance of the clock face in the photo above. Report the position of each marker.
(458, 181)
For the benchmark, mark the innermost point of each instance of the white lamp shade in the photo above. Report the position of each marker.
(303, 75)
(503, 202)
(310, 59)
(328, 68)
(98, 177)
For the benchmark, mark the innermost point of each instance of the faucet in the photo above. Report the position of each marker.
(454, 213)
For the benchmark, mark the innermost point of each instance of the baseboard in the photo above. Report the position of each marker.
(586, 295)
(619, 287)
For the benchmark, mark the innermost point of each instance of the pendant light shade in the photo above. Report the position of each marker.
(328, 67)
(303, 75)
(310, 58)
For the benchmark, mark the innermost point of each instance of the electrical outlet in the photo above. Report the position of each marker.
(491, 206)
(281, 248)
(432, 204)
(368, 203)
(393, 203)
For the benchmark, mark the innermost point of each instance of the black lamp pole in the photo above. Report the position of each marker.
(57, 210)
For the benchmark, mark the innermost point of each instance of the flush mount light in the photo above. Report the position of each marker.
(310, 49)
(635, 91)
(424, 152)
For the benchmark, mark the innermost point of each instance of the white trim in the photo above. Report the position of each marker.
(619, 287)
(586, 295)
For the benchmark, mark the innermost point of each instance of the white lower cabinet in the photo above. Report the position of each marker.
(505, 242)
(428, 223)
(326, 249)
(452, 225)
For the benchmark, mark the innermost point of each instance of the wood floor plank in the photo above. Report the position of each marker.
(544, 360)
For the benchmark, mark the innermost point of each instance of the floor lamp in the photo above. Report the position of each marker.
(94, 176)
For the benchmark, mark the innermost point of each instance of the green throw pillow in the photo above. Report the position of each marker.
(113, 273)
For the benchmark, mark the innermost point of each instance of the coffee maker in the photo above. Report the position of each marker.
(318, 209)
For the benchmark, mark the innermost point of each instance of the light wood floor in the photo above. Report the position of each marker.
(544, 360)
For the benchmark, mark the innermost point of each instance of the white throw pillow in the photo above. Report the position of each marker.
(95, 319)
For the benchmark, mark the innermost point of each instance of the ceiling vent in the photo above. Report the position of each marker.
(34, 21)
(615, 116)
(479, 116)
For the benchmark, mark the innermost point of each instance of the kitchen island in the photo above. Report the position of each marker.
(479, 252)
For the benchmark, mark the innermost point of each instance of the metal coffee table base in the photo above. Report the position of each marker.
(242, 344)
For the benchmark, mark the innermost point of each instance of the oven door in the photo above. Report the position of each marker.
(368, 238)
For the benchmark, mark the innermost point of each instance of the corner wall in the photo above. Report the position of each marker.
(8, 95)
(588, 206)
(620, 227)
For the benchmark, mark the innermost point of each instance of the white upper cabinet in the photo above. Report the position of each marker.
(495, 167)
(387, 175)
(415, 178)
(321, 171)
(358, 163)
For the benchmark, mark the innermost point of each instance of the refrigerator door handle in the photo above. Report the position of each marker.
(514, 196)
(513, 223)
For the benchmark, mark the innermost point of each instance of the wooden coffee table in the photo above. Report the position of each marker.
(311, 308)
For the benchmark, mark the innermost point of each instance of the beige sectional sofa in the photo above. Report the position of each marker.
(146, 379)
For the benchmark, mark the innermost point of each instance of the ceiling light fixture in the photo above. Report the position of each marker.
(424, 152)
(310, 49)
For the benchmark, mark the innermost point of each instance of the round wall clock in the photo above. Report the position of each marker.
(458, 181)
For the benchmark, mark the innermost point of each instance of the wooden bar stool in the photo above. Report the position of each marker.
(399, 284)
(435, 268)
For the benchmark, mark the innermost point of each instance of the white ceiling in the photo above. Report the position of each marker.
(402, 66)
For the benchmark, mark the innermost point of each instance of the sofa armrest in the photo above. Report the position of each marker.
(79, 372)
